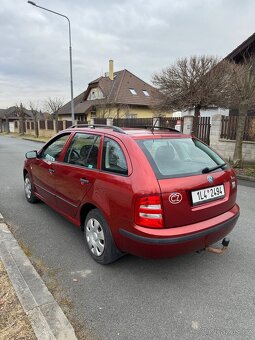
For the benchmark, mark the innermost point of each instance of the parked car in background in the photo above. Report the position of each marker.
(148, 192)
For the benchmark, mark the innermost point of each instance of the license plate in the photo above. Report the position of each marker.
(207, 194)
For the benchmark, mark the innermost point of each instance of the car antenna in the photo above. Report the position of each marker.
(154, 124)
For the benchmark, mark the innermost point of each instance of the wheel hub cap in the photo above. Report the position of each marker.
(95, 237)
(28, 187)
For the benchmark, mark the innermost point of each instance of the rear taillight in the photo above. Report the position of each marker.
(149, 212)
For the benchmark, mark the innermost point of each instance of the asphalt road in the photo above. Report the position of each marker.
(197, 296)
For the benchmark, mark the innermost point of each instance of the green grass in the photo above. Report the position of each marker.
(246, 171)
(250, 172)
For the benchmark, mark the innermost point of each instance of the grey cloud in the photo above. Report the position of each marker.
(143, 36)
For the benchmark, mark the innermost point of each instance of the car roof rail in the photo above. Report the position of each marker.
(152, 128)
(93, 126)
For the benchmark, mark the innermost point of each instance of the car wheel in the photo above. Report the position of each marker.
(29, 191)
(99, 239)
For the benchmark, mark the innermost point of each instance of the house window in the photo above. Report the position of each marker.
(146, 93)
(133, 91)
(131, 115)
(95, 93)
(81, 118)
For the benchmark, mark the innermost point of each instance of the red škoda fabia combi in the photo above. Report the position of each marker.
(148, 192)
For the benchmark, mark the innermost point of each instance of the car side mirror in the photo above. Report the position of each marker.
(31, 154)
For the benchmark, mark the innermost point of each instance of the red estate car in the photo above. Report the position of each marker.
(149, 192)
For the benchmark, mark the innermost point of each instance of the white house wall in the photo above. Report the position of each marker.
(207, 113)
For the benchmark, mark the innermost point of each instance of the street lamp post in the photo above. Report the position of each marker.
(70, 53)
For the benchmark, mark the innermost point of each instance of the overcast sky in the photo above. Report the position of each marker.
(142, 36)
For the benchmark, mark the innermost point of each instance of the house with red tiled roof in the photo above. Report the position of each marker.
(115, 95)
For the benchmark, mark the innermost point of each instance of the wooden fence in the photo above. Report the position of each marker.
(229, 127)
(201, 128)
(133, 122)
(68, 123)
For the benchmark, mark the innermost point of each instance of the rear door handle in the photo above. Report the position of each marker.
(84, 181)
(51, 171)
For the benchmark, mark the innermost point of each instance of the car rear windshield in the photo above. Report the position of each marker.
(179, 157)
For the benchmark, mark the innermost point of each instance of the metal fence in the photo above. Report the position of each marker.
(101, 121)
(133, 122)
(170, 122)
(140, 122)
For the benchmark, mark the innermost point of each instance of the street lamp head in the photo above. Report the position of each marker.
(32, 3)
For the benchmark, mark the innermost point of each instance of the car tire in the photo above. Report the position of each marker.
(99, 240)
(29, 190)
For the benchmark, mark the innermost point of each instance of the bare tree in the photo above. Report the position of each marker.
(35, 113)
(243, 93)
(202, 81)
(52, 105)
(196, 83)
(109, 109)
(105, 108)
(22, 115)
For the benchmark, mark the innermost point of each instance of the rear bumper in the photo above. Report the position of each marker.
(176, 241)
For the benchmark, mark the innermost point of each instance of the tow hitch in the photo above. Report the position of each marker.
(225, 243)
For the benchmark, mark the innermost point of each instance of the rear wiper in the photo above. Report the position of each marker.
(206, 170)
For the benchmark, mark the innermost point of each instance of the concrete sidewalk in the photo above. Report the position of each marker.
(46, 317)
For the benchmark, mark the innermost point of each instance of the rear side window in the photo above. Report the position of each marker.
(171, 157)
(113, 159)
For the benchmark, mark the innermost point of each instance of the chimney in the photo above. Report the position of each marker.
(111, 69)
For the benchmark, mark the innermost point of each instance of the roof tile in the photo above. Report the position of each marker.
(115, 91)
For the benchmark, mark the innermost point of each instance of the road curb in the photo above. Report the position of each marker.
(27, 138)
(34, 140)
(46, 317)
